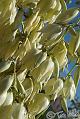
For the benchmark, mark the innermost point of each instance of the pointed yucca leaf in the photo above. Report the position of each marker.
(5, 83)
(9, 99)
(4, 65)
(64, 104)
(39, 103)
(56, 68)
(77, 76)
(3, 98)
(70, 14)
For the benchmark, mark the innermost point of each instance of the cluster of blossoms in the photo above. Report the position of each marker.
(33, 52)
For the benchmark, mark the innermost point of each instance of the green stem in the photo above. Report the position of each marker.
(69, 73)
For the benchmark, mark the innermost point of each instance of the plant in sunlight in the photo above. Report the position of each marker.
(33, 52)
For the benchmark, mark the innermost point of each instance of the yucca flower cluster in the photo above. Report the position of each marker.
(32, 54)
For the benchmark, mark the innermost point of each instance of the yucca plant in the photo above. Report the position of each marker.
(33, 52)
